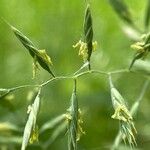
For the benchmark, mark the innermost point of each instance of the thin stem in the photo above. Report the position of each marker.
(99, 72)
(110, 81)
(143, 90)
(82, 74)
(82, 67)
(139, 99)
(75, 75)
(56, 78)
(120, 71)
(23, 86)
(91, 71)
(117, 141)
(17, 88)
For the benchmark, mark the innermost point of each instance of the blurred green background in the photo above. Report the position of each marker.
(56, 26)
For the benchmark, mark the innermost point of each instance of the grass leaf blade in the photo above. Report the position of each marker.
(122, 10)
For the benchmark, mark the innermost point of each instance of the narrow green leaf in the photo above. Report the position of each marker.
(39, 55)
(147, 14)
(122, 10)
(31, 122)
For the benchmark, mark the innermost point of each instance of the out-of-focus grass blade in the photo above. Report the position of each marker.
(52, 123)
(132, 33)
(10, 140)
(31, 122)
(60, 130)
(122, 10)
(7, 126)
(142, 67)
(147, 14)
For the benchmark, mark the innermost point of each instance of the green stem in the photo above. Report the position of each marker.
(17, 88)
(75, 75)
(56, 78)
(120, 71)
(84, 73)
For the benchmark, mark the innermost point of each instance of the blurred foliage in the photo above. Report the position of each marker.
(56, 26)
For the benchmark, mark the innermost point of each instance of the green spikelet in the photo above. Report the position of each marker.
(142, 48)
(38, 55)
(73, 124)
(88, 31)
